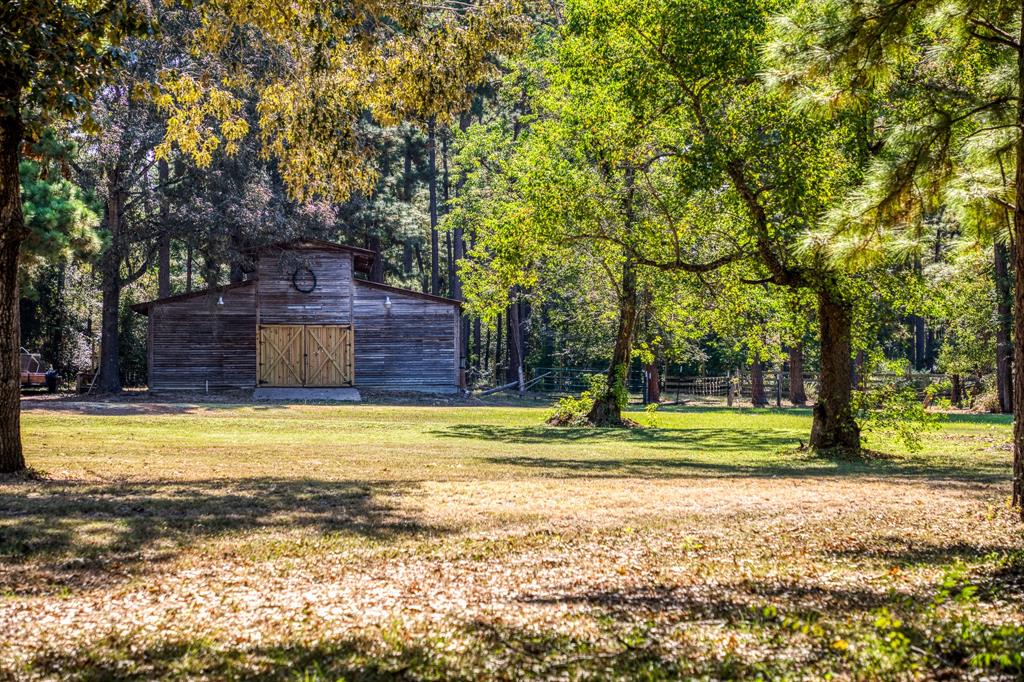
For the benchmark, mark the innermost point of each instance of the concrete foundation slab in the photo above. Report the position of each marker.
(306, 394)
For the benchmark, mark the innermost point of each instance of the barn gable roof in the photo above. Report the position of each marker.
(146, 305)
(363, 257)
(363, 260)
(407, 292)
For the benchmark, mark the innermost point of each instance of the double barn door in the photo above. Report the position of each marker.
(305, 355)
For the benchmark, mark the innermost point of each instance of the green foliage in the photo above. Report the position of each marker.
(394, 60)
(896, 410)
(55, 56)
(61, 218)
(573, 410)
(949, 627)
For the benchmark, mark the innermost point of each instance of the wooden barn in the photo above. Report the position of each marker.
(306, 318)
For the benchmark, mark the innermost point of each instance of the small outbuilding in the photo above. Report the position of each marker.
(306, 318)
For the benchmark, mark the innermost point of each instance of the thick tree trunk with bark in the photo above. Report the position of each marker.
(606, 410)
(109, 379)
(12, 233)
(757, 396)
(797, 392)
(834, 425)
(653, 383)
(1004, 329)
(1018, 324)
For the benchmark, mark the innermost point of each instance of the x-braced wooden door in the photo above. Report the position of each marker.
(281, 355)
(329, 356)
(305, 355)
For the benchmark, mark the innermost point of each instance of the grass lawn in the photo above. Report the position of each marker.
(398, 542)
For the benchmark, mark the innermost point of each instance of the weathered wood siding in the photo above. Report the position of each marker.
(281, 303)
(195, 341)
(412, 346)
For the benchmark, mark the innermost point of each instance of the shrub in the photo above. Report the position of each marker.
(895, 410)
(573, 410)
(987, 399)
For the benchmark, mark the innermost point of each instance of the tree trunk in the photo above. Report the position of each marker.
(235, 272)
(514, 342)
(607, 410)
(188, 267)
(164, 256)
(486, 351)
(1004, 330)
(435, 255)
(499, 324)
(478, 355)
(834, 425)
(757, 395)
(797, 392)
(1018, 263)
(918, 351)
(957, 397)
(109, 379)
(12, 233)
(377, 269)
(653, 383)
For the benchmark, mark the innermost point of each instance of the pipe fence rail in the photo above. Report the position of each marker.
(733, 386)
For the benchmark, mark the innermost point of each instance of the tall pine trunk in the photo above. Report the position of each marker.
(516, 371)
(164, 255)
(834, 425)
(435, 255)
(12, 233)
(109, 379)
(499, 324)
(1004, 329)
(377, 269)
(797, 392)
(1018, 263)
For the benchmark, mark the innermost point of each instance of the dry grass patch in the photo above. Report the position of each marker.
(455, 542)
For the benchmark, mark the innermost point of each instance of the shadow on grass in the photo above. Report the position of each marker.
(486, 651)
(899, 551)
(790, 631)
(126, 408)
(731, 440)
(83, 533)
(691, 452)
